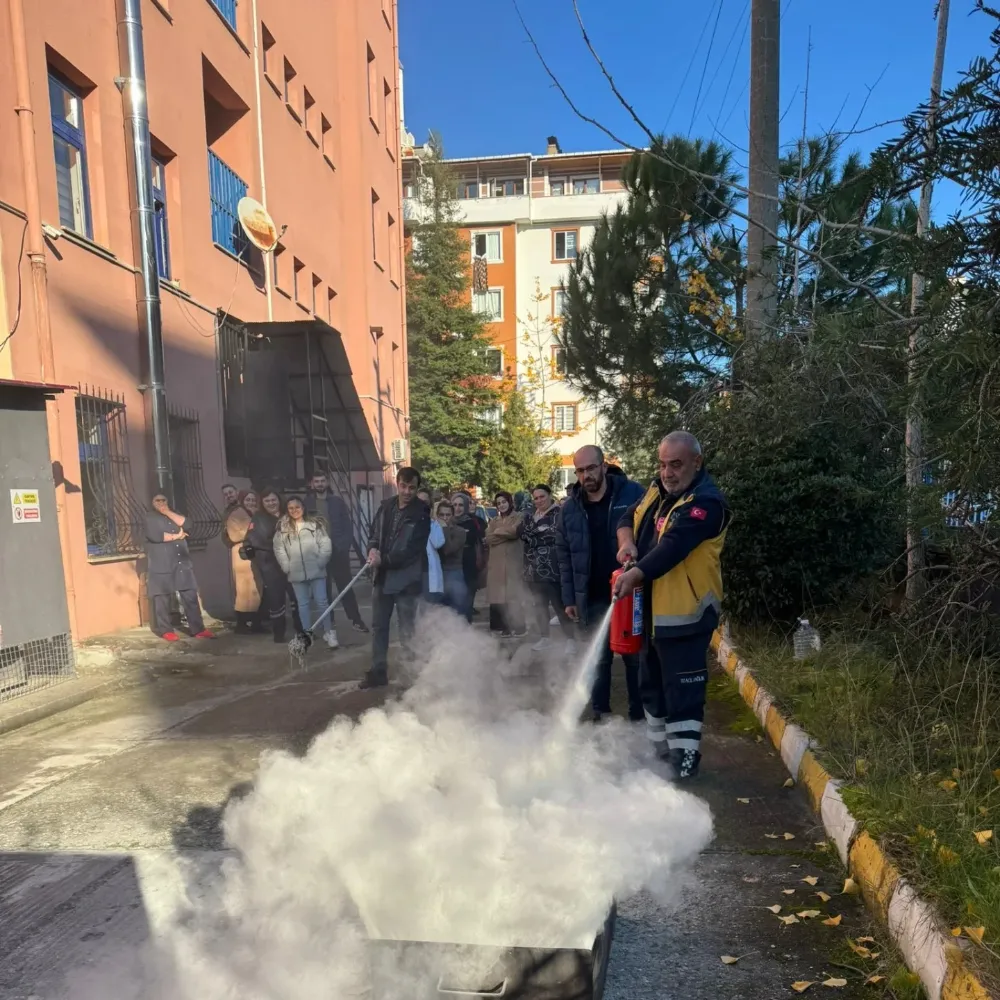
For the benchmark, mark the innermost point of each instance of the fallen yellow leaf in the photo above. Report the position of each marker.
(789, 783)
(835, 983)
(850, 887)
(858, 949)
(983, 837)
(789, 836)
(983, 811)
(809, 914)
(866, 940)
(948, 785)
(947, 855)
(956, 773)
(729, 959)
(823, 896)
(790, 919)
(802, 985)
(788, 892)
(996, 774)
(922, 831)
(810, 880)
(745, 802)
(777, 909)
(823, 845)
(976, 933)
(833, 921)
(874, 979)
(771, 836)
(758, 738)
(875, 954)
(956, 932)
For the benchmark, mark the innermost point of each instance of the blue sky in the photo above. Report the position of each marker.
(471, 75)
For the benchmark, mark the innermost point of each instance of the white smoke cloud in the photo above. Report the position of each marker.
(467, 812)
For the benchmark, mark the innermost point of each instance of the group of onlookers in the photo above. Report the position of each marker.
(283, 552)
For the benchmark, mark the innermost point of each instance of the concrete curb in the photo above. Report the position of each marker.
(912, 923)
(61, 701)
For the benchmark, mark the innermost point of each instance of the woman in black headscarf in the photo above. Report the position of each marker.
(169, 571)
(259, 546)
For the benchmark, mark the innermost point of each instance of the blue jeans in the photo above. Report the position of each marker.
(311, 592)
(456, 592)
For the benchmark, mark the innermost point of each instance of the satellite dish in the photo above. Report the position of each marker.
(257, 224)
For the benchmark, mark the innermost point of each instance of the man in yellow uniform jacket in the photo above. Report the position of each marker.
(674, 536)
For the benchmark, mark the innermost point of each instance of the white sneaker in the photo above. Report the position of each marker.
(543, 644)
(554, 620)
(331, 638)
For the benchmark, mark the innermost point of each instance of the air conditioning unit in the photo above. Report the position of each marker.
(399, 450)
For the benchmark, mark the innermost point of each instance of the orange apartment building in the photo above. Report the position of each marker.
(274, 364)
(527, 216)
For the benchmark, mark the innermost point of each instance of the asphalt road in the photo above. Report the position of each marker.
(98, 804)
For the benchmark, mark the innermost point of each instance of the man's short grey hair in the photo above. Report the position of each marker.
(685, 438)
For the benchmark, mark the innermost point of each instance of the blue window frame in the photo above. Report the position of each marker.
(70, 149)
(227, 8)
(160, 229)
(226, 189)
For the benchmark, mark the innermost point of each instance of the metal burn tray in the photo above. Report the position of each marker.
(421, 970)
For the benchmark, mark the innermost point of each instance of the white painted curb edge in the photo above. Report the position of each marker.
(913, 925)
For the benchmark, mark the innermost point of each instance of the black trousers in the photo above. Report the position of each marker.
(192, 611)
(674, 679)
(275, 606)
(601, 694)
(507, 617)
(548, 593)
(382, 607)
(338, 576)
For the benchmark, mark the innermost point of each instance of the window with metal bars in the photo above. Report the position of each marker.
(226, 188)
(227, 8)
(112, 514)
(190, 498)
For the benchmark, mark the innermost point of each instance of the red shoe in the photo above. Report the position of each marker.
(205, 634)
(170, 637)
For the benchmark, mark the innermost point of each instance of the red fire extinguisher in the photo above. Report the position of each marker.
(627, 623)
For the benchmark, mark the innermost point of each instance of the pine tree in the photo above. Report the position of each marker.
(517, 454)
(449, 384)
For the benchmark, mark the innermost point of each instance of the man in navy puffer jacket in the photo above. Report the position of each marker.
(587, 548)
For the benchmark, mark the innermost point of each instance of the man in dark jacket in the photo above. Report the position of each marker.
(587, 547)
(331, 507)
(396, 550)
(474, 555)
(675, 535)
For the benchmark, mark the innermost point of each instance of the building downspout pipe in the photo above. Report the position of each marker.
(133, 87)
(35, 246)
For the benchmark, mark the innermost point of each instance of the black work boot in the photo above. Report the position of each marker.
(373, 680)
(685, 763)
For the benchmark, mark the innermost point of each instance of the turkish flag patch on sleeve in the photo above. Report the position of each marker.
(699, 513)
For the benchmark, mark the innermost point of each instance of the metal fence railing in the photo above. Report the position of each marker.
(30, 666)
(226, 188)
(190, 499)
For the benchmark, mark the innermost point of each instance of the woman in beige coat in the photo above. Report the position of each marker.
(248, 588)
(504, 588)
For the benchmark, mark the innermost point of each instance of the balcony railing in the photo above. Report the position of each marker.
(226, 188)
(227, 8)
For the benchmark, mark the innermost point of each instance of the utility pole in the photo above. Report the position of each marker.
(762, 260)
(916, 555)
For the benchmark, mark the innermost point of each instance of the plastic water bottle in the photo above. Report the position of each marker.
(806, 640)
